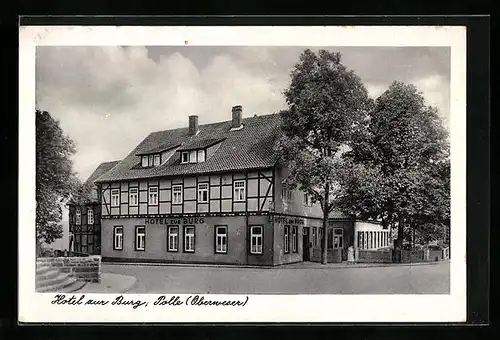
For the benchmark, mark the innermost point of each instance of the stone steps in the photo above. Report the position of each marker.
(51, 279)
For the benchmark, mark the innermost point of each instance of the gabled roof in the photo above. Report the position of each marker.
(87, 194)
(100, 170)
(245, 149)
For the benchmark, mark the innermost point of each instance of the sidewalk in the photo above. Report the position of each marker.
(110, 283)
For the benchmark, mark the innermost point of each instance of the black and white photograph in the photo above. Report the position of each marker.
(199, 174)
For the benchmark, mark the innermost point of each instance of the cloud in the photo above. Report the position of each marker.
(109, 98)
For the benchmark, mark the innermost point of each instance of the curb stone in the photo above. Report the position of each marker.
(284, 266)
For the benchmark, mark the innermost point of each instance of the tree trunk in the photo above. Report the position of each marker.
(324, 251)
(400, 230)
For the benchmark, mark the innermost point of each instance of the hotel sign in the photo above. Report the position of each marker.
(175, 221)
(289, 220)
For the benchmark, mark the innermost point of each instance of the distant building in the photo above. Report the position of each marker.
(213, 193)
(85, 215)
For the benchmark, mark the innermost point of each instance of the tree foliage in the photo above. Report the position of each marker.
(55, 179)
(406, 150)
(328, 107)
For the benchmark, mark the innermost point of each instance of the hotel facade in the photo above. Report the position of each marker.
(213, 193)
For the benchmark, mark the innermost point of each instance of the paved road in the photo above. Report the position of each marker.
(417, 279)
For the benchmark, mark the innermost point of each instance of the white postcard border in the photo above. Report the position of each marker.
(36, 307)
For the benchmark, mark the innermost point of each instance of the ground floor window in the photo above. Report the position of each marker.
(221, 239)
(295, 239)
(118, 238)
(256, 240)
(188, 239)
(314, 240)
(140, 238)
(173, 238)
(286, 241)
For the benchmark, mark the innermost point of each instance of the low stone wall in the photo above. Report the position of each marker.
(333, 255)
(374, 256)
(412, 256)
(84, 268)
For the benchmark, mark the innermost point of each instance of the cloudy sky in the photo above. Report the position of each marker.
(108, 99)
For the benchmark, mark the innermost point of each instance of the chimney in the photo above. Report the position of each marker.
(236, 117)
(193, 125)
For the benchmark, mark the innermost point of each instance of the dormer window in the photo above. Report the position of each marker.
(193, 156)
(150, 160)
(201, 156)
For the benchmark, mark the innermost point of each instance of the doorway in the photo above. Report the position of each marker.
(306, 244)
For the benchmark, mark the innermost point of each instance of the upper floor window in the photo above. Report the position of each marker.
(133, 196)
(307, 199)
(153, 196)
(78, 216)
(115, 197)
(202, 192)
(286, 193)
(239, 190)
(150, 160)
(201, 156)
(177, 194)
(193, 156)
(90, 216)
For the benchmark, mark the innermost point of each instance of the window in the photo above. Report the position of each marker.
(185, 157)
(156, 160)
(173, 238)
(189, 239)
(221, 239)
(115, 197)
(239, 190)
(90, 216)
(295, 239)
(307, 200)
(202, 192)
(140, 238)
(133, 196)
(256, 240)
(286, 193)
(192, 156)
(150, 160)
(286, 241)
(78, 216)
(360, 239)
(153, 196)
(314, 237)
(201, 156)
(118, 238)
(177, 194)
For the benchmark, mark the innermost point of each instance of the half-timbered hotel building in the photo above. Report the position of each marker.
(213, 193)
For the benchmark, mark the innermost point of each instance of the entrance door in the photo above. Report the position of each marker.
(306, 245)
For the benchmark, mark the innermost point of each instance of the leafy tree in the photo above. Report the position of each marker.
(405, 147)
(327, 106)
(55, 179)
